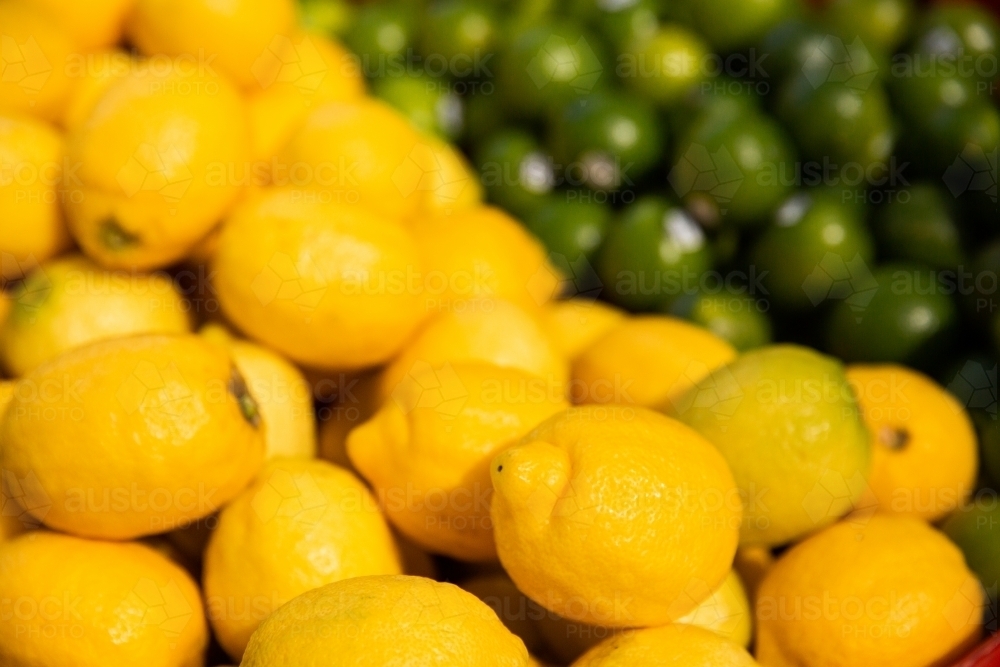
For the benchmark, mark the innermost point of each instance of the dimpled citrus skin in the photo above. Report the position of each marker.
(160, 157)
(385, 620)
(428, 449)
(489, 330)
(91, 25)
(230, 36)
(615, 516)
(323, 283)
(648, 360)
(69, 302)
(83, 603)
(357, 152)
(132, 436)
(299, 526)
(576, 324)
(726, 612)
(35, 82)
(891, 591)
(32, 228)
(279, 105)
(280, 391)
(669, 646)
(482, 252)
(787, 422)
(924, 454)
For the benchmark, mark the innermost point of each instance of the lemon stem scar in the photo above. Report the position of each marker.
(248, 406)
(893, 438)
(115, 238)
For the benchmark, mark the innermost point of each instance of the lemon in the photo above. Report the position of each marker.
(72, 602)
(34, 60)
(648, 360)
(132, 436)
(356, 401)
(280, 392)
(576, 324)
(889, 591)
(91, 25)
(489, 330)
(291, 270)
(384, 620)
(32, 187)
(924, 453)
(428, 449)
(301, 72)
(357, 152)
(511, 606)
(673, 645)
(299, 526)
(93, 73)
(481, 252)
(160, 160)
(233, 36)
(787, 422)
(14, 520)
(443, 176)
(69, 302)
(726, 611)
(615, 516)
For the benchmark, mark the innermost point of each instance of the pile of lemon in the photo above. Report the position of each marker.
(601, 489)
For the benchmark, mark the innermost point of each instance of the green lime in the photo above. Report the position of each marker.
(515, 172)
(425, 101)
(879, 24)
(382, 34)
(740, 319)
(462, 33)
(665, 64)
(570, 225)
(918, 225)
(975, 528)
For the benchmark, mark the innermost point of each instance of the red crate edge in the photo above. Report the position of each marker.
(986, 654)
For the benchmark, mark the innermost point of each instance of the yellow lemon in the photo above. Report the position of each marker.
(354, 403)
(159, 160)
(514, 609)
(234, 36)
(132, 436)
(33, 62)
(481, 252)
(787, 422)
(924, 454)
(357, 152)
(892, 591)
(573, 325)
(14, 519)
(615, 516)
(670, 646)
(93, 73)
(280, 391)
(490, 330)
(446, 179)
(91, 25)
(300, 525)
(69, 302)
(307, 70)
(32, 189)
(428, 449)
(292, 270)
(649, 360)
(385, 620)
(726, 611)
(84, 603)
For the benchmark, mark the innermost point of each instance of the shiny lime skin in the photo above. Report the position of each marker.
(382, 34)
(739, 319)
(813, 235)
(733, 168)
(570, 225)
(515, 172)
(654, 254)
(422, 99)
(665, 64)
(963, 35)
(918, 225)
(722, 97)
(733, 24)
(461, 32)
(547, 65)
(910, 319)
(610, 139)
(880, 24)
(975, 529)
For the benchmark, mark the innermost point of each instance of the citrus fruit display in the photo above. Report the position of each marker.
(507, 333)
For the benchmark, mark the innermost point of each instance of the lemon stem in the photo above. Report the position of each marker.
(894, 438)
